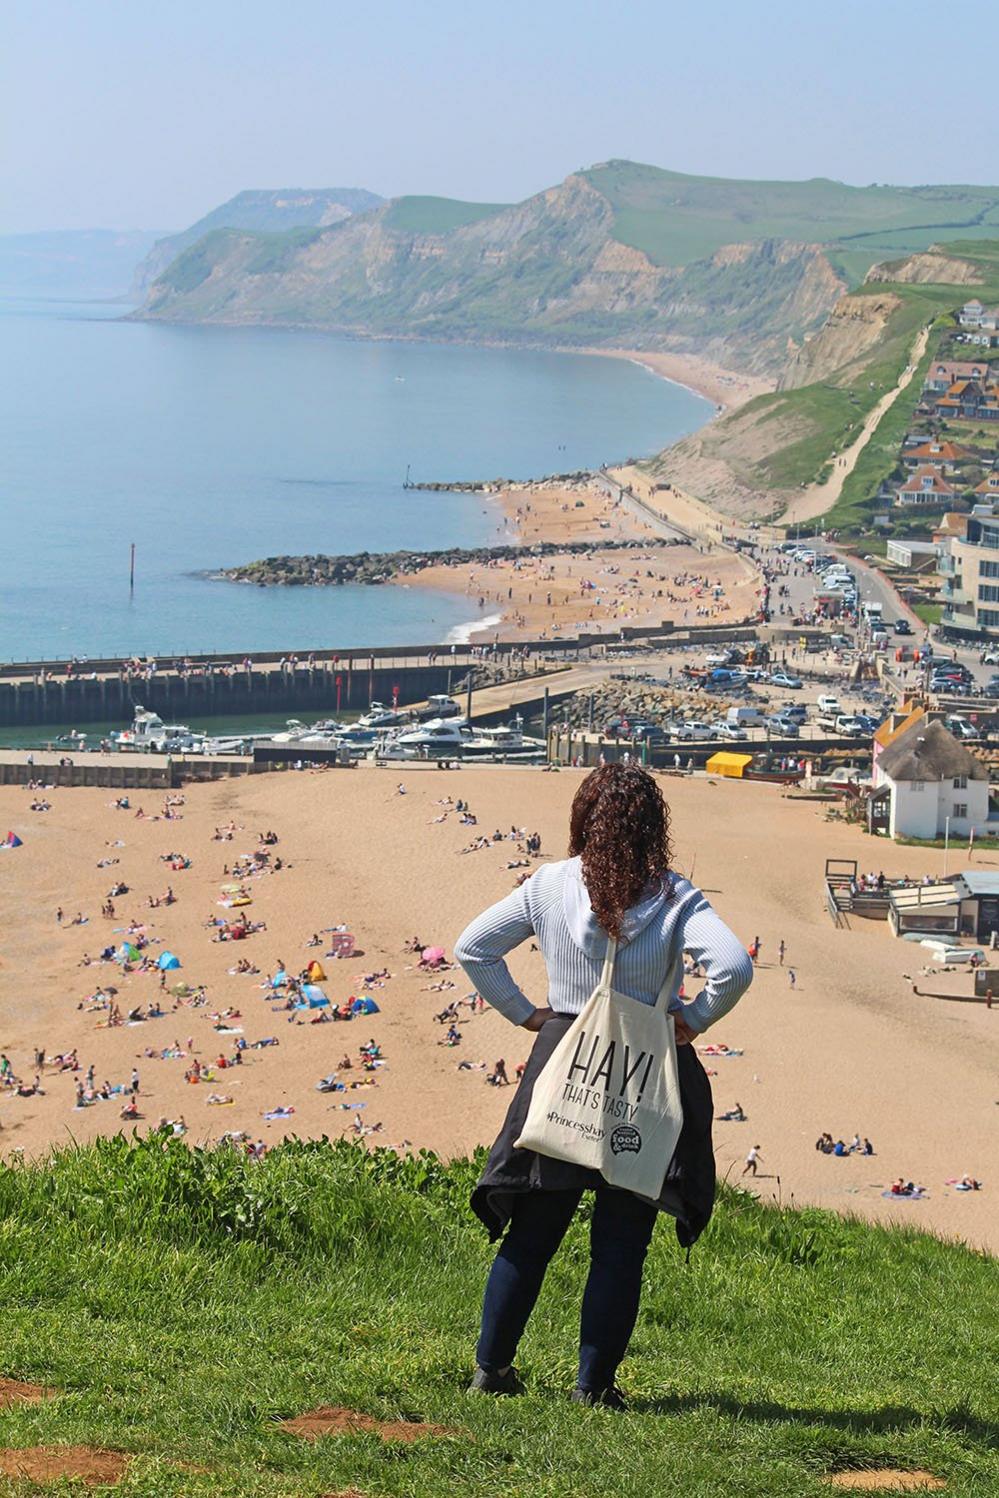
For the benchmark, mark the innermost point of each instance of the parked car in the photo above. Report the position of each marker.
(903, 627)
(783, 679)
(693, 730)
(827, 702)
(784, 728)
(796, 710)
(990, 655)
(728, 731)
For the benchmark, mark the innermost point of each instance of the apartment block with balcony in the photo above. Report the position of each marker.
(969, 577)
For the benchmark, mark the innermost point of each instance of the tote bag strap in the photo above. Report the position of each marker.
(607, 976)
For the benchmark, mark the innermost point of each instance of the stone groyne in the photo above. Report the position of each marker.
(372, 567)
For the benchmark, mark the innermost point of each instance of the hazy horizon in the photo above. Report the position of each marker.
(119, 117)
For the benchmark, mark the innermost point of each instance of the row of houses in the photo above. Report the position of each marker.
(962, 390)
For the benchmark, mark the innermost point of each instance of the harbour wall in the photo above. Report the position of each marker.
(35, 693)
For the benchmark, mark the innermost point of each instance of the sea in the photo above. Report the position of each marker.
(205, 447)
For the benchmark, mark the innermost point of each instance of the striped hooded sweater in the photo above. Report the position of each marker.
(671, 918)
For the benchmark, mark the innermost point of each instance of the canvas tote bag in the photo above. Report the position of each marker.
(608, 1097)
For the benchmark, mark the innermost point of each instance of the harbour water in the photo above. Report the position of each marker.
(212, 446)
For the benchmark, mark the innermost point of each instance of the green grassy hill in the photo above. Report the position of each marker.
(181, 1303)
(265, 211)
(674, 218)
(622, 254)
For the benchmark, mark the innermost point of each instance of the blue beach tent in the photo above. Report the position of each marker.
(365, 1005)
(317, 999)
(167, 960)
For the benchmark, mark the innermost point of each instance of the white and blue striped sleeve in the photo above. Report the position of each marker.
(484, 943)
(727, 965)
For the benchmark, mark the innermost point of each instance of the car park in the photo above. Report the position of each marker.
(783, 679)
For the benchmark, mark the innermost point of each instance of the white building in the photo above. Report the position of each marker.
(935, 784)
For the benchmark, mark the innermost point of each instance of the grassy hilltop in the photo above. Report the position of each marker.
(619, 254)
(182, 1303)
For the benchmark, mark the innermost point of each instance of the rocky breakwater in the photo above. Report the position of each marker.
(371, 567)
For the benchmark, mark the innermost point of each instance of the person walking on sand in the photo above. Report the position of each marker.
(618, 883)
(792, 977)
(780, 952)
(752, 1159)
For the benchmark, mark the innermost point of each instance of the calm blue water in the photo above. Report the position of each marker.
(212, 446)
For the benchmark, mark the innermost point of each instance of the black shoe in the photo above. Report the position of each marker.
(610, 1398)
(485, 1382)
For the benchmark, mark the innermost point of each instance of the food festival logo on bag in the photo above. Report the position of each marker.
(625, 1138)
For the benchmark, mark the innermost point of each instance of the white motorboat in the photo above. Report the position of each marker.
(438, 736)
(149, 733)
(380, 716)
(506, 742)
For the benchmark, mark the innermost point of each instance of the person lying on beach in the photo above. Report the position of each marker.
(471, 1066)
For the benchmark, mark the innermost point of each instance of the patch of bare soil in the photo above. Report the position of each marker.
(334, 1420)
(885, 1479)
(48, 1463)
(13, 1391)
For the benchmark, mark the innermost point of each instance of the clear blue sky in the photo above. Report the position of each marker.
(137, 114)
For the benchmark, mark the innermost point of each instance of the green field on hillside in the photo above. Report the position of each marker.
(418, 215)
(181, 1303)
(674, 218)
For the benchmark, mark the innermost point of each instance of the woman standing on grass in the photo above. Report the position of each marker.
(616, 883)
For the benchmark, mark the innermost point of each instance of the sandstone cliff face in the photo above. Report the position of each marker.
(546, 270)
(853, 327)
(932, 267)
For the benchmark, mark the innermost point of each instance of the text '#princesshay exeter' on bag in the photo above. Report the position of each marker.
(608, 1097)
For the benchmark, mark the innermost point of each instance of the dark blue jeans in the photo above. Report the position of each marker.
(620, 1231)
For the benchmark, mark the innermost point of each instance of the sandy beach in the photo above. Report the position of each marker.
(727, 388)
(596, 592)
(848, 1049)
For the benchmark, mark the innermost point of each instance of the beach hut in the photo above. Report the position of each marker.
(166, 960)
(365, 1005)
(731, 766)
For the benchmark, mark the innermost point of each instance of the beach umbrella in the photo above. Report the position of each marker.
(365, 1005)
(433, 954)
(167, 960)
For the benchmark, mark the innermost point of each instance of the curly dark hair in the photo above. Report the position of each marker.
(620, 826)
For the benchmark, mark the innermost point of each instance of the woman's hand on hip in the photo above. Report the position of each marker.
(536, 1020)
(684, 1034)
